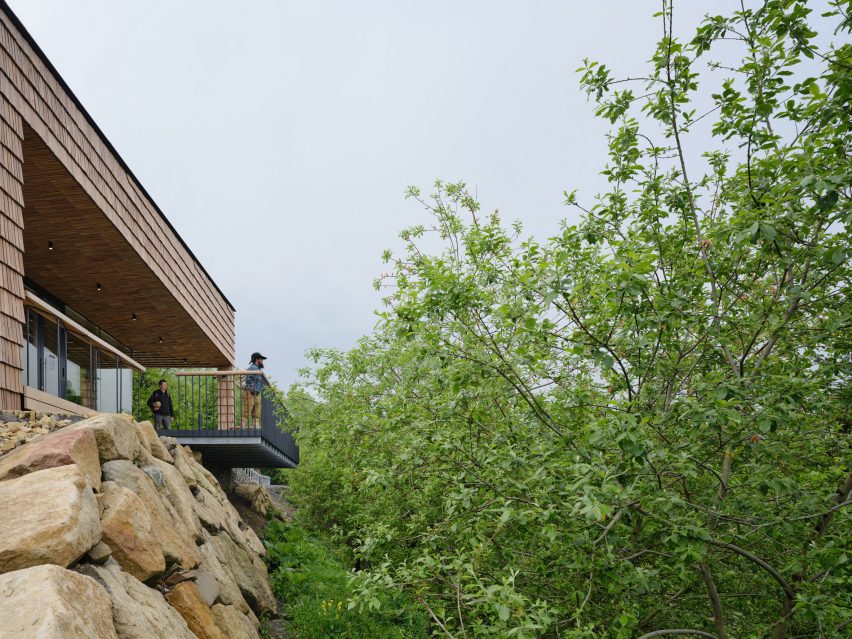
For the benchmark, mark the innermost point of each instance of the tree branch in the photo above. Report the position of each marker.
(715, 603)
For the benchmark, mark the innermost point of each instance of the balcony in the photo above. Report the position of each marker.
(229, 426)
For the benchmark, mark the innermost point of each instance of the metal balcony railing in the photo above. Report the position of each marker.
(230, 404)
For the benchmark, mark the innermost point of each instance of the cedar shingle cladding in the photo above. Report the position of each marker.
(34, 101)
(11, 255)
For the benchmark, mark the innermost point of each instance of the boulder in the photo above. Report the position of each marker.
(138, 612)
(186, 599)
(153, 471)
(240, 532)
(49, 602)
(247, 570)
(128, 532)
(209, 511)
(217, 513)
(144, 458)
(149, 439)
(115, 434)
(233, 623)
(60, 448)
(167, 526)
(207, 585)
(99, 554)
(180, 497)
(203, 477)
(252, 541)
(182, 463)
(229, 591)
(47, 517)
(255, 496)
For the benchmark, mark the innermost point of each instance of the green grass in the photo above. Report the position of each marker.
(317, 587)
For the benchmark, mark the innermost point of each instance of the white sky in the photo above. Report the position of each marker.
(283, 134)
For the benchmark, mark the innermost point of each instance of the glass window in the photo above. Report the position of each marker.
(107, 382)
(79, 371)
(50, 359)
(126, 390)
(31, 350)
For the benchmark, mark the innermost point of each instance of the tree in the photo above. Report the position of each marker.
(640, 426)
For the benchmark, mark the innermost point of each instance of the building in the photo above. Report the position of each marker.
(95, 281)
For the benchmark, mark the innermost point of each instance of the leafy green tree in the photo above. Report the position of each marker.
(640, 426)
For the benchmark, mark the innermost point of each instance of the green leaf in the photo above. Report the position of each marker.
(768, 232)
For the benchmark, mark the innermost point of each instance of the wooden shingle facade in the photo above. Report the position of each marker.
(11, 253)
(76, 223)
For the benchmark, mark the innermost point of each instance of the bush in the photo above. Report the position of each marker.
(312, 578)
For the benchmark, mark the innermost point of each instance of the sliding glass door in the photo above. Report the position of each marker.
(69, 365)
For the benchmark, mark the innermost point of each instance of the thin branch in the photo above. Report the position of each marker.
(436, 620)
(715, 603)
(789, 594)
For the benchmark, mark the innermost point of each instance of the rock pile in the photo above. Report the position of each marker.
(19, 427)
(108, 531)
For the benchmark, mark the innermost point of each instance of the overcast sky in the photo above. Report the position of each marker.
(282, 134)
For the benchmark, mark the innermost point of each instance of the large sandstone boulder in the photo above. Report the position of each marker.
(49, 602)
(252, 541)
(138, 612)
(233, 623)
(115, 434)
(209, 511)
(59, 448)
(186, 599)
(217, 514)
(207, 585)
(128, 532)
(47, 517)
(229, 591)
(203, 477)
(248, 571)
(255, 496)
(182, 461)
(180, 497)
(151, 442)
(167, 526)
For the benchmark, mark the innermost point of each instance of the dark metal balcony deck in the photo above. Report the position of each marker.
(214, 417)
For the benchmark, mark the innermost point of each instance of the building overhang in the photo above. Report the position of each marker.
(74, 251)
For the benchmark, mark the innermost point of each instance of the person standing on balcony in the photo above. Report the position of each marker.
(252, 390)
(160, 404)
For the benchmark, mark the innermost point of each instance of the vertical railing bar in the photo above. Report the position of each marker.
(198, 402)
(179, 406)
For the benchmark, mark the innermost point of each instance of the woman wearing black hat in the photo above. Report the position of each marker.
(252, 390)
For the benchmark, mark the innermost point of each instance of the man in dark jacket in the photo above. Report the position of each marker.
(160, 404)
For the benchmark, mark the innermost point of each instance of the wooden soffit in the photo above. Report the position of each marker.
(71, 248)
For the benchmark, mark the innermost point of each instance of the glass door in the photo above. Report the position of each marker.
(45, 354)
(67, 364)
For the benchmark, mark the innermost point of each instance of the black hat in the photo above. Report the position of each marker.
(257, 355)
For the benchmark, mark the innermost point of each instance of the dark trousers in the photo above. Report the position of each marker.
(163, 422)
